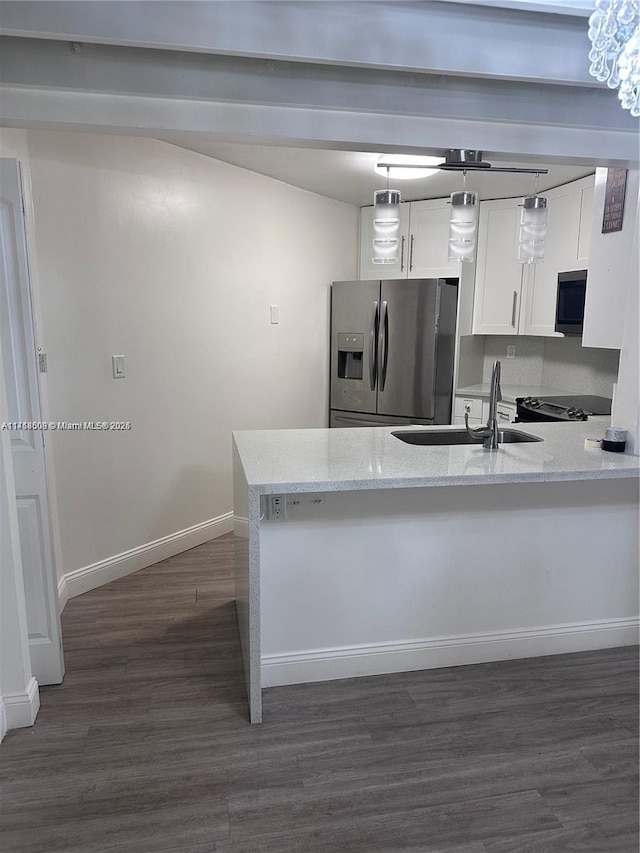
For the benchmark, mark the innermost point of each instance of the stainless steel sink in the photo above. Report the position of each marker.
(460, 436)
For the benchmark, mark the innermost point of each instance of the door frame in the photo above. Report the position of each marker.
(31, 283)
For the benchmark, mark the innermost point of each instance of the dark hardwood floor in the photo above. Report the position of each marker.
(146, 746)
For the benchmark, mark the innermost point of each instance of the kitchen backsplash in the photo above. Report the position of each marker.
(569, 365)
(561, 363)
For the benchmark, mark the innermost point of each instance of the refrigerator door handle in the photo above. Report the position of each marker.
(373, 351)
(383, 345)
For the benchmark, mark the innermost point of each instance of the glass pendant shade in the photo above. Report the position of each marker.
(462, 227)
(533, 229)
(386, 226)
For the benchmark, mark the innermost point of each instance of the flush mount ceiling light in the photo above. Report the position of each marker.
(614, 32)
(407, 167)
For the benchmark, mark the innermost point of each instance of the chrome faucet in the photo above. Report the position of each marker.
(489, 433)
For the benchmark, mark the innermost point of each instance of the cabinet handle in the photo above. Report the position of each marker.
(411, 254)
(402, 253)
(513, 309)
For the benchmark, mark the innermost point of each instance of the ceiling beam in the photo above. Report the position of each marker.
(423, 37)
(107, 69)
(303, 126)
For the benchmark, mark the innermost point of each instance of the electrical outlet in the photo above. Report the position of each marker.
(511, 352)
(277, 507)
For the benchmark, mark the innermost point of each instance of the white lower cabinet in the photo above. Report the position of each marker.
(505, 412)
(475, 407)
(478, 410)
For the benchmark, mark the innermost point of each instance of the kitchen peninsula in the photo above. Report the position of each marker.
(385, 556)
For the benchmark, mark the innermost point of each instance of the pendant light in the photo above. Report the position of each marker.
(386, 225)
(462, 225)
(533, 228)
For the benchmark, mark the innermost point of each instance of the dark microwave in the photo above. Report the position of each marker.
(572, 289)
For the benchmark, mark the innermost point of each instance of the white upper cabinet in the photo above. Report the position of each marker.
(512, 298)
(567, 248)
(424, 243)
(496, 304)
(429, 240)
(369, 270)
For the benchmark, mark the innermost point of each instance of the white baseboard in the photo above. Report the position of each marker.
(97, 574)
(3, 720)
(21, 709)
(63, 593)
(433, 653)
(241, 526)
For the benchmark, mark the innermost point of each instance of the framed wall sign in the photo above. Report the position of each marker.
(614, 200)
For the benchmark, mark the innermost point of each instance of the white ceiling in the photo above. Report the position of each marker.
(348, 176)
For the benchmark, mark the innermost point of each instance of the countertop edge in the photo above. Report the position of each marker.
(432, 482)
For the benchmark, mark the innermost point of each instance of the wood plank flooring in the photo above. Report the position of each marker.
(146, 745)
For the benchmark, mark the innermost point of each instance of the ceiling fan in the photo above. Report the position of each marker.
(466, 160)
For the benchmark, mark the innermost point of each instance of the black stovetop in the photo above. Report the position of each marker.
(590, 404)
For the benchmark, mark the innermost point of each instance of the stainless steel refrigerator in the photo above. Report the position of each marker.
(392, 352)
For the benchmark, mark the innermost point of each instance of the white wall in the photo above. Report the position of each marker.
(610, 257)
(626, 404)
(171, 259)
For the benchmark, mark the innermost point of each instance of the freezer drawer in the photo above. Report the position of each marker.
(361, 419)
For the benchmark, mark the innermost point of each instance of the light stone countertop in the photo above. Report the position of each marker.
(327, 460)
(510, 392)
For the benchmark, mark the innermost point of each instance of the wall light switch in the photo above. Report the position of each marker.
(117, 363)
(273, 314)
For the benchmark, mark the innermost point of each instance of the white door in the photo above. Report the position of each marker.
(17, 338)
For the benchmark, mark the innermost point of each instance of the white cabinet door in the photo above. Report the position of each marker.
(471, 406)
(496, 304)
(370, 271)
(429, 240)
(542, 278)
(585, 190)
(567, 247)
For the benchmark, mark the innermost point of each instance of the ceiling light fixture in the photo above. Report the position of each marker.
(614, 32)
(463, 160)
(462, 224)
(533, 228)
(386, 225)
(407, 167)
